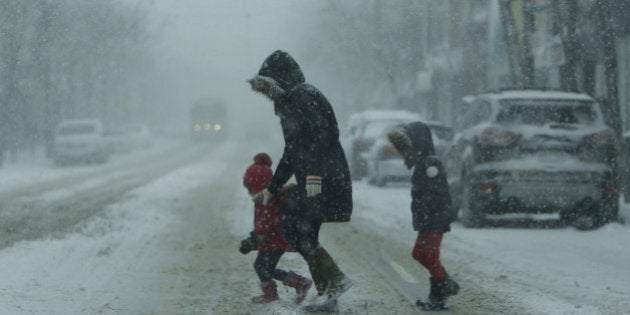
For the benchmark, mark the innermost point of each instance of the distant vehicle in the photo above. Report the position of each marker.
(362, 130)
(80, 141)
(535, 152)
(207, 120)
(117, 140)
(126, 138)
(385, 164)
(139, 136)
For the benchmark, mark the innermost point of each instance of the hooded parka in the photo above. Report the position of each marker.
(311, 137)
(431, 204)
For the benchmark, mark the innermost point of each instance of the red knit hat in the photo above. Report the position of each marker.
(263, 159)
(259, 174)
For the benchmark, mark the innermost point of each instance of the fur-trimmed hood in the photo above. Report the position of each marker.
(414, 142)
(278, 74)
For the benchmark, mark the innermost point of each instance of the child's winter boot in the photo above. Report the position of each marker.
(450, 286)
(270, 293)
(441, 289)
(300, 284)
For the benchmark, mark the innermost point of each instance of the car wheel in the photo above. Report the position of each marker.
(605, 212)
(471, 211)
(358, 167)
(609, 210)
(568, 216)
(585, 222)
(585, 215)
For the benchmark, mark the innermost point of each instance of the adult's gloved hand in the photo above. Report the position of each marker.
(313, 185)
(249, 244)
(262, 196)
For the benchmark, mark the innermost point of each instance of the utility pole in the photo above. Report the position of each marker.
(565, 16)
(512, 42)
(528, 54)
(608, 39)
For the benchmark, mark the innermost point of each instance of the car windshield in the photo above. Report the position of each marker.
(77, 129)
(548, 112)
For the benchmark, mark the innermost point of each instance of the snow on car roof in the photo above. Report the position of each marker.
(373, 114)
(539, 94)
(391, 114)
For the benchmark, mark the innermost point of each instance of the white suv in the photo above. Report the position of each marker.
(529, 151)
(80, 141)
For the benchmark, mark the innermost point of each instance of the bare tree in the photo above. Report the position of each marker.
(608, 38)
(12, 41)
(378, 47)
(65, 58)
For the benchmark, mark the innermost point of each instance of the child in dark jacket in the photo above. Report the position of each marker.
(430, 207)
(267, 239)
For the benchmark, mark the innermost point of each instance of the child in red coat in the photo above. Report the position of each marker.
(267, 238)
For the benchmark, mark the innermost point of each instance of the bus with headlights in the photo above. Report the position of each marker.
(207, 120)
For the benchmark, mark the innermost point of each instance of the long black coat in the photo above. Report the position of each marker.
(312, 145)
(431, 205)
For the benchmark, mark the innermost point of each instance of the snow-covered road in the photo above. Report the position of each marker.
(169, 246)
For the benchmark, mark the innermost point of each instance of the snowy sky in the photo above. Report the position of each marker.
(212, 47)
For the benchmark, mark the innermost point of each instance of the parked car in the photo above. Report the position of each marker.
(385, 164)
(534, 152)
(362, 130)
(80, 141)
(117, 140)
(139, 136)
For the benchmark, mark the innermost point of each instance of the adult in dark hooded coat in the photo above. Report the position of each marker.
(431, 208)
(313, 154)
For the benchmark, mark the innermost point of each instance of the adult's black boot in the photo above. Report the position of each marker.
(315, 267)
(329, 280)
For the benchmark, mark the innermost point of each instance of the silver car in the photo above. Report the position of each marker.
(534, 152)
(361, 131)
(385, 164)
(79, 141)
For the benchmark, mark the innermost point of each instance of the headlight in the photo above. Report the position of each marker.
(217, 127)
(197, 127)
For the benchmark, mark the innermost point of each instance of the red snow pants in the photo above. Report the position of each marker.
(427, 252)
